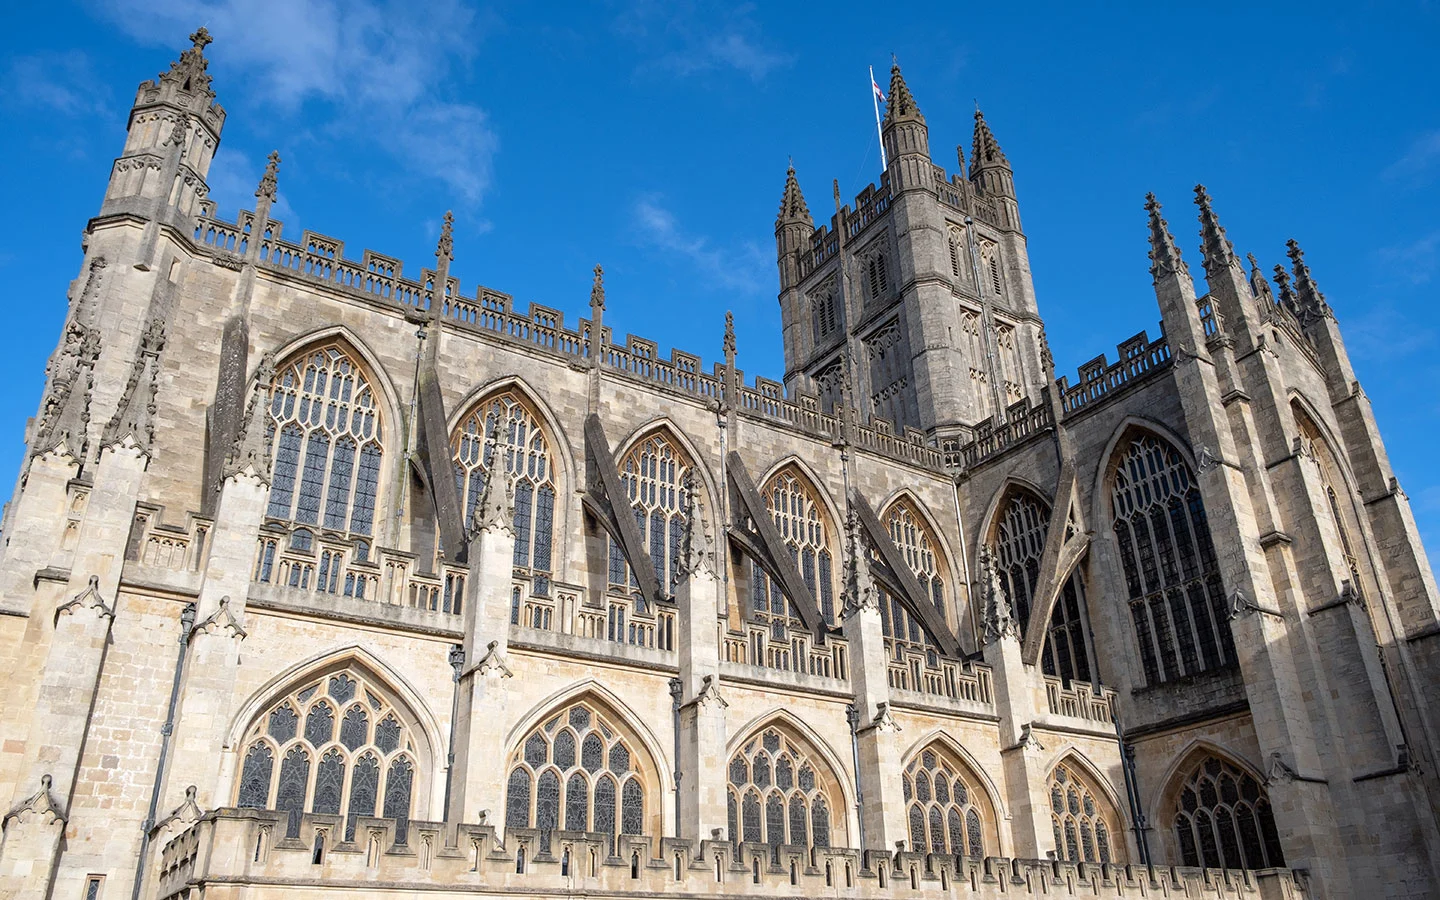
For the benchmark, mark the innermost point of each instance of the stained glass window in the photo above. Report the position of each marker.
(1078, 811)
(352, 760)
(935, 784)
(795, 505)
(321, 401)
(654, 473)
(788, 802)
(918, 545)
(593, 800)
(526, 453)
(1019, 544)
(398, 784)
(1223, 818)
(1176, 599)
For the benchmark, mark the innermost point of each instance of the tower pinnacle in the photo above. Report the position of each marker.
(1165, 258)
(1311, 302)
(1216, 251)
(270, 180)
(188, 73)
(792, 202)
(445, 247)
(597, 291)
(901, 106)
(985, 151)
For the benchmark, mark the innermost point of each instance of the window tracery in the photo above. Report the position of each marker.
(528, 458)
(1019, 543)
(804, 529)
(916, 543)
(1177, 602)
(577, 748)
(779, 793)
(323, 772)
(1223, 818)
(325, 443)
(1083, 822)
(654, 474)
(944, 805)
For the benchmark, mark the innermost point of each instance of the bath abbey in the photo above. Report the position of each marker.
(330, 576)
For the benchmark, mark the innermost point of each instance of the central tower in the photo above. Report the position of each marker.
(919, 298)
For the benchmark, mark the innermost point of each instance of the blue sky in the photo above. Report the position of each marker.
(652, 137)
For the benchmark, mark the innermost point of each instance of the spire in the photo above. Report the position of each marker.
(1258, 285)
(792, 203)
(188, 73)
(445, 247)
(495, 507)
(268, 181)
(597, 292)
(696, 554)
(134, 419)
(985, 151)
(1165, 258)
(1312, 302)
(999, 621)
(1216, 251)
(251, 450)
(901, 106)
(65, 419)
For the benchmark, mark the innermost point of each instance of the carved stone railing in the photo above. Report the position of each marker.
(320, 259)
(1021, 421)
(915, 667)
(1080, 700)
(170, 548)
(1138, 356)
(787, 650)
(246, 850)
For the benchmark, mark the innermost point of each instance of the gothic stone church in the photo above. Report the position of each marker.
(325, 577)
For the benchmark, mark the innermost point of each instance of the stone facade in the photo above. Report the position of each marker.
(922, 617)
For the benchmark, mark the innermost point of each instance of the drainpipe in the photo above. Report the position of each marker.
(187, 621)
(676, 688)
(457, 663)
(852, 715)
(1132, 792)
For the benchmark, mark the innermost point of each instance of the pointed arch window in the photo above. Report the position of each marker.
(1086, 828)
(1223, 818)
(1177, 602)
(1018, 540)
(325, 443)
(654, 474)
(325, 769)
(957, 249)
(807, 534)
(877, 278)
(946, 810)
(779, 792)
(525, 450)
(579, 769)
(1341, 511)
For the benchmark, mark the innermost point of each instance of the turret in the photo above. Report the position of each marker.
(989, 169)
(906, 138)
(793, 227)
(173, 133)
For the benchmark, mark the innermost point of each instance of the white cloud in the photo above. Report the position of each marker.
(701, 37)
(742, 268)
(1414, 262)
(1422, 155)
(380, 64)
(62, 82)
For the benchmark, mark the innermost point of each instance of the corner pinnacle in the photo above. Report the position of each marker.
(445, 247)
(597, 289)
(1165, 258)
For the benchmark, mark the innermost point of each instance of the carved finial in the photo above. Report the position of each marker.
(134, 421)
(188, 72)
(1165, 258)
(1311, 302)
(729, 338)
(960, 159)
(1047, 360)
(445, 248)
(270, 179)
(1216, 251)
(999, 620)
(1258, 285)
(251, 451)
(985, 151)
(201, 39)
(1287, 294)
(901, 105)
(835, 188)
(178, 131)
(695, 547)
(495, 507)
(65, 418)
(597, 289)
(857, 584)
(792, 202)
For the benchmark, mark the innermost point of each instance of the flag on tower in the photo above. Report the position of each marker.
(877, 97)
(879, 94)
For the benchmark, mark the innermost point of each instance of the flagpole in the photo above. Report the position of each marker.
(875, 100)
